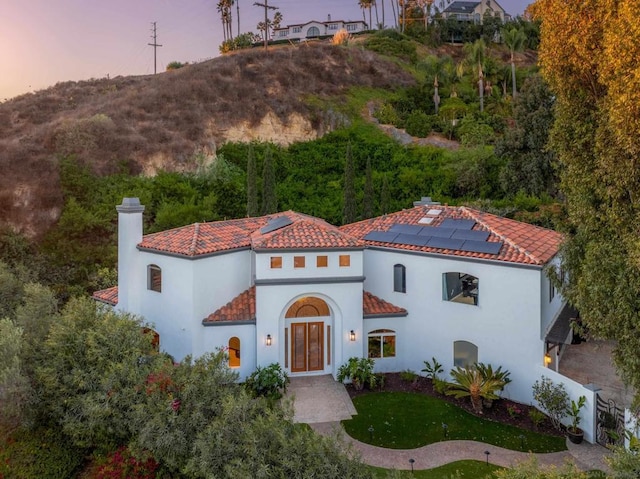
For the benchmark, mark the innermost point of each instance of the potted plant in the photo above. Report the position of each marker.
(359, 371)
(574, 433)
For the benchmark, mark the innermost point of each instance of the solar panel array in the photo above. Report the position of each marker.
(451, 234)
(276, 224)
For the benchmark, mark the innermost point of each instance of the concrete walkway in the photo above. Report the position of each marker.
(585, 456)
(322, 402)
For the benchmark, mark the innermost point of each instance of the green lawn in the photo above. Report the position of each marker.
(466, 469)
(409, 420)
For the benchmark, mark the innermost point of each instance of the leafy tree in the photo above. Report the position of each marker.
(349, 190)
(367, 200)
(590, 64)
(252, 184)
(14, 385)
(514, 39)
(553, 399)
(269, 200)
(96, 361)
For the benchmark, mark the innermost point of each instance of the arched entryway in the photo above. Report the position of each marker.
(308, 335)
(313, 32)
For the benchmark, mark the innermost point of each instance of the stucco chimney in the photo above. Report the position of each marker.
(328, 17)
(129, 235)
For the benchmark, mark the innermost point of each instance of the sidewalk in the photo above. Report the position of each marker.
(585, 456)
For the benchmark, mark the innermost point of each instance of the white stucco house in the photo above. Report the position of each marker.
(314, 29)
(437, 281)
(475, 11)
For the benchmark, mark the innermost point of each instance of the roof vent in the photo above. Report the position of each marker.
(426, 201)
(425, 221)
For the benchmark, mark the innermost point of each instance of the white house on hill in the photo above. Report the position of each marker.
(453, 283)
(475, 11)
(314, 29)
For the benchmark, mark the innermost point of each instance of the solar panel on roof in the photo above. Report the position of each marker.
(413, 240)
(470, 235)
(481, 247)
(445, 243)
(382, 236)
(436, 231)
(458, 224)
(407, 229)
(276, 224)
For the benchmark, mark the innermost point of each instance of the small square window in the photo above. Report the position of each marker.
(276, 262)
(345, 260)
(322, 261)
(298, 262)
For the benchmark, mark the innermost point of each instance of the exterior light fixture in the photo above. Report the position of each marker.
(547, 359)
(411, 461)
(268, 340)
(352, 335)
(487, 454)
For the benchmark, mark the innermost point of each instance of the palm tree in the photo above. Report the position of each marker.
(475, 56)
(364, 4)
(425, 6)
(514, 39)
(473, 384)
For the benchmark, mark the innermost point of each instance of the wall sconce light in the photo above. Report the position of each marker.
(352, 335)
(268, 340)
(547, 359)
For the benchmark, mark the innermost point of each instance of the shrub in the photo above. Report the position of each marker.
(432, 369)
(553, 399)
(440, 386)
(121, 464)
(385, 45)
(269, 382)
(387, 114)
(359, 371)
(341, 37)
(409, 376)
(536, 416)
(419, 124)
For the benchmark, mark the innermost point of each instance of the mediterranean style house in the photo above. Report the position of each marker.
(475, 11)
(453, 283)
(313, 29)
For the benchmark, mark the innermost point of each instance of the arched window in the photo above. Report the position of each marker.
(234, 352)
(155, 337)
(399, 278)
(465, 354)
(308, 307)
(154, 278)
(382, 343)
(460, 288)
(313, 32)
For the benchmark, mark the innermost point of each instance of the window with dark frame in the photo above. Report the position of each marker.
(154, 278)
(399, 278)
(381, 344)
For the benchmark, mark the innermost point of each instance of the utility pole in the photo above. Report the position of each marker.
(155, 46)
(238, 13)
(267, 7)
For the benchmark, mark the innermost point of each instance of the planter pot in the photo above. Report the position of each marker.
(575, 436)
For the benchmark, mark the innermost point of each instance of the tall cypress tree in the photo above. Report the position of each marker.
(252, 188)
(385, 199)
(367, 206)
(349, 202)
(269, 200)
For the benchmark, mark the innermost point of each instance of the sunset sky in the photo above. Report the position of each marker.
(43, 42)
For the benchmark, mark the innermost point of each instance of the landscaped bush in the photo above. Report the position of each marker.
(359, 371)
(553, 399)
(479, 382)
(270, 381)
(387, 114)
(419, 124)
(121, 464)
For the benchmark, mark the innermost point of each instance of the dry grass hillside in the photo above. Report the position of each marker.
(159, 121)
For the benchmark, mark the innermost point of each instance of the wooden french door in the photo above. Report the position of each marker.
(307, 347)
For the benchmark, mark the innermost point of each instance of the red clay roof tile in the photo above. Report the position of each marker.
(523, 243)
(109, 295)
(372, 306)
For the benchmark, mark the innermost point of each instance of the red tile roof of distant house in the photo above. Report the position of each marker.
(522, 242)
(108, 296)
(243, 308)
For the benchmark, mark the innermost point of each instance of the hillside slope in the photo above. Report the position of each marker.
(153, 122)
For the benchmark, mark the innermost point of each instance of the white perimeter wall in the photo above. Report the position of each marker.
(505, 325)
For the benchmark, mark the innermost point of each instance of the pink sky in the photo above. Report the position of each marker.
(43, 42)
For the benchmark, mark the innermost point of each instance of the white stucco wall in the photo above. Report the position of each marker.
(504, 325)
(550, 307)
(214, 337)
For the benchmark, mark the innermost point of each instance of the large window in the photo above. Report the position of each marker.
(399, 278)
(382, 344)
(154, 278)
(465, 354)
(460, 288)
(234, 352)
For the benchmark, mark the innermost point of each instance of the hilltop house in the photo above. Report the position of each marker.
(314, 29)
(432, 281)
(475, 11)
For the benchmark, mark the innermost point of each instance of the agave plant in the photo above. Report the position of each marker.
(471, 383)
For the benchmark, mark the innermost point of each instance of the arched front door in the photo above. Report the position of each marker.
(306, 337)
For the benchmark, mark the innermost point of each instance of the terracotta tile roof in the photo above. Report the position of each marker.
(206, 238)
(305, 232)
(240, 308)
(372, 306)
(243, 308)
(109, 295)
(523, 243)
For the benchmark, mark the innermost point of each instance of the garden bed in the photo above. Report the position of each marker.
(498, 412)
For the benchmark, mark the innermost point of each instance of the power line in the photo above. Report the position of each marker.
(155, 46)
(267, 7)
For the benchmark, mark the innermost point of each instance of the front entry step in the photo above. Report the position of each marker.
(319, 399)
